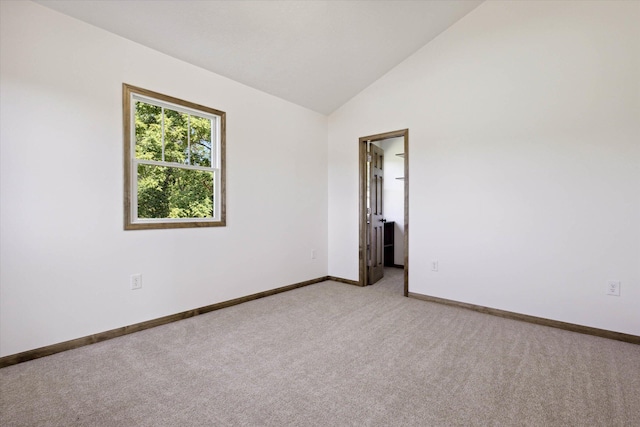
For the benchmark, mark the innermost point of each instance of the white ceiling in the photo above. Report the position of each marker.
(318, 54)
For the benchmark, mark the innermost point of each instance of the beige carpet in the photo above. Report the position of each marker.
(333, 355)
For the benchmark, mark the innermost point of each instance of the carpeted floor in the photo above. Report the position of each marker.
(332, 354)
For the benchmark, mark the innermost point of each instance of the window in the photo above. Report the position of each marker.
(173, 162)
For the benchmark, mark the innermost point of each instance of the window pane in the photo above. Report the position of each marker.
(148, 131)
(176, 128)
(200, 141)
(166, 192)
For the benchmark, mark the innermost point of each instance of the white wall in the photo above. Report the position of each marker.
(65, 259)
(524, 122)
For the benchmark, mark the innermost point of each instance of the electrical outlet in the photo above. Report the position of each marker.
(313, 254)
(136, 281)
(613, 288)
(434, 265)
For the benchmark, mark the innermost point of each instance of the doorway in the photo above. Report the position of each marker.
(371, 207)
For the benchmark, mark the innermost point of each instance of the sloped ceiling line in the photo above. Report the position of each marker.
(317, 54)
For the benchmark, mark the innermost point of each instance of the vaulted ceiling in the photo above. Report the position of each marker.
(317, 54)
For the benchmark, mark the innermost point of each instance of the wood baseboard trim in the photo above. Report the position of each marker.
(125, 330)
(603, 333)
(341, 280)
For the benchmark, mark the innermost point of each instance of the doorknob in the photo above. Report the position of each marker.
(383, 220)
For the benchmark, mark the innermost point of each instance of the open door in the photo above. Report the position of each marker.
(375, 263)
(371, 221)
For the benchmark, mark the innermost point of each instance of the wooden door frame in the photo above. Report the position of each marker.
(362, 247)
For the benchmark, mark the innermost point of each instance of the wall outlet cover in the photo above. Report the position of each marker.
(136, 281)
(613, 288)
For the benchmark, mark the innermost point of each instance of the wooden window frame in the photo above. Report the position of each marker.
(130, 175)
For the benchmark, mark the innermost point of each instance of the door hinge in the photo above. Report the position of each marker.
(368, 158)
